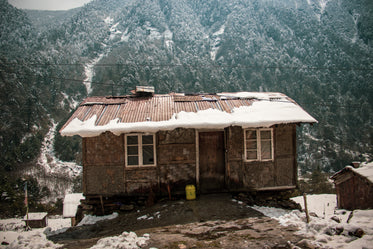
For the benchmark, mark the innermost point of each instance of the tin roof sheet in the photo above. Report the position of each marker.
(162, 107)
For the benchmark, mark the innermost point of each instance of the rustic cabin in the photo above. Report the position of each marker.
(146, 142)
(354, 186)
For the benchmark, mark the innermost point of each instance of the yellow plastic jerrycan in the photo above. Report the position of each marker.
(190, 192)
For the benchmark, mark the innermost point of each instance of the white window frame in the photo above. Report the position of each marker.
(140, 147)
(258, 145)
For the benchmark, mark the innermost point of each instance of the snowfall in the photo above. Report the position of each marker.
(329, 227)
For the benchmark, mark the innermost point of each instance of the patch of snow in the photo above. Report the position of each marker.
(355, 18)
(323, 205)
(124, 241)
(322, 231)
(91, 219)
(168, 35)
(72, 103)
(114, 31)
(33, 240)
(323, 4)
(365, 170)
(253, 95)
(216, 42)
(89, 73)
(125, 36)
(109, 20)
(259, 114)
(12, 225)
(271, 211)
(13, 232)
(150, 217)
(144, 217)
(27, 136)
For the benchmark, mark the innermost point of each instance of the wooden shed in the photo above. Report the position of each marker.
(354, 186)
(36, 220)
(147, 142)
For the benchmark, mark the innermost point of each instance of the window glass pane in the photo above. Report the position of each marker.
(251, 155)
(132, 150)
(132, 140)
(266, 150)
(148, 155)
(265, 134)
(251, 145)
(250, 134)
(133, 160)
(147, 139)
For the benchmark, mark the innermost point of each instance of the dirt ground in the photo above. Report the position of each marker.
(211, 221)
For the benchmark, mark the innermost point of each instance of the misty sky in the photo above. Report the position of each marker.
(48, 4)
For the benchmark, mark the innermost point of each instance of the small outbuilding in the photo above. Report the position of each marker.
(36, 220)
(70, 206)
(156, 143)
(354, 186)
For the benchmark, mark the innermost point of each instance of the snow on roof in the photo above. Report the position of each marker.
(365, 170)
(253, 95)
(35, 216)
(168, 112)
(71, 203)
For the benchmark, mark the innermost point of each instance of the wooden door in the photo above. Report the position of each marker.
(211, 161)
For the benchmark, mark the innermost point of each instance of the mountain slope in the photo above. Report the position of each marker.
(317, 52)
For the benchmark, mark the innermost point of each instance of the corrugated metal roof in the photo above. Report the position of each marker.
(161, 107)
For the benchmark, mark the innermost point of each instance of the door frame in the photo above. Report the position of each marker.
(197, 153)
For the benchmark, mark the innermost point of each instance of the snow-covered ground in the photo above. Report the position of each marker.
(12, 231)
(322, 230)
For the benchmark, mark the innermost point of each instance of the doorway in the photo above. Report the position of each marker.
(211, 161)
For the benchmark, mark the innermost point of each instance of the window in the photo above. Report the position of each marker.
(258, 145)
(140, 149)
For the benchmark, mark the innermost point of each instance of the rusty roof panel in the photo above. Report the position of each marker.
(104, 100)
(185, 106)
(82, 112)
(129, 109)
(95, 110)
(109, 113)
(187, 98)
(79, 113)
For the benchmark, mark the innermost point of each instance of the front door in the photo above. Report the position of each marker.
(211, 161)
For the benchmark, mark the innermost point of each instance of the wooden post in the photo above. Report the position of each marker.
(169, 191)
(305, 208)
(102, 205)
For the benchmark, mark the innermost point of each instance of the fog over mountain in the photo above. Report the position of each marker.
(317, 52)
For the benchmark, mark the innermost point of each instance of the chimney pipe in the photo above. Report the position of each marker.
(355, 164)
(144, 91)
